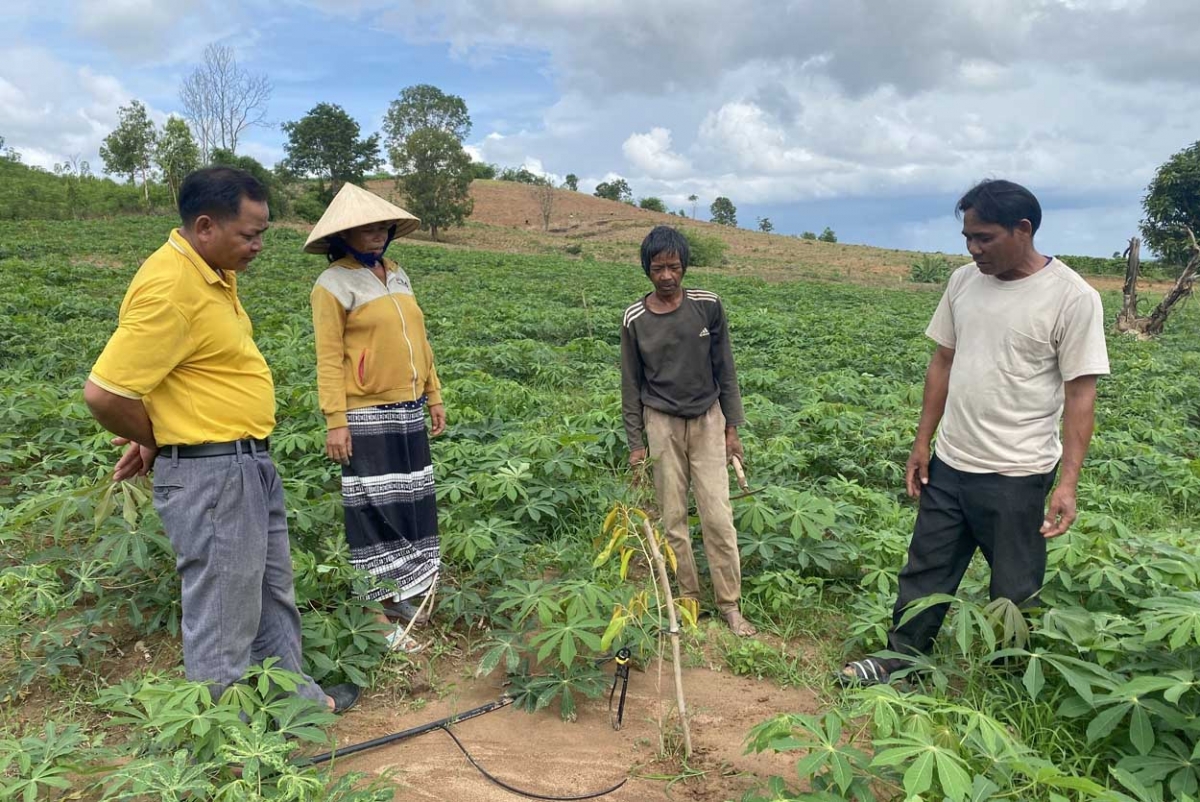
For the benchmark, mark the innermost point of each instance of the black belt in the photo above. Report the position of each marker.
(217, 449)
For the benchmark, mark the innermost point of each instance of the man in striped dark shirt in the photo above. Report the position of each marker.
(679, 391)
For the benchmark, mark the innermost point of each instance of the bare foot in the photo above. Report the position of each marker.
(738, 625)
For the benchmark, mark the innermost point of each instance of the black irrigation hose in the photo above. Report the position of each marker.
(528, 794)
(503, 701)
(444, 725)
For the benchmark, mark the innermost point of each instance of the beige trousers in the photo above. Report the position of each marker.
(692, 451)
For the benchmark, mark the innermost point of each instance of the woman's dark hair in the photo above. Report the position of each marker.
(337, 248)
(1002, 203)
(217, 192)
(664, 239)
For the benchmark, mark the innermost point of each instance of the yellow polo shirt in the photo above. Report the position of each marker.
(185, 347)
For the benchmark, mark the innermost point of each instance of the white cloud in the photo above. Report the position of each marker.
(766, 103)
(153, 30)
(651, 153)
(628, 45)
(777, 104)
(50, 110)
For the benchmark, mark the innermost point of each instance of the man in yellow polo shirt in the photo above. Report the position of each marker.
(183, 383)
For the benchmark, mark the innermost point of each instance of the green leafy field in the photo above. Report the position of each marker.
(1095, 698)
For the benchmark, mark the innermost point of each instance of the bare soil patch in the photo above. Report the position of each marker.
(540, 752)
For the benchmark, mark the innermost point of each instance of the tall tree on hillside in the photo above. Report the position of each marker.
(765, 225)
(424, 106)
(723, 212)
(827, 235)
(1172, 206)
(176, 154)
(326, 144)
(221, 100)
(571, 182)
(615, 190)
(424, 130)
(692, 199)
(435, 175)
(130, 148)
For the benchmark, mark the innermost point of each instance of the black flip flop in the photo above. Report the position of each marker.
(866, 672)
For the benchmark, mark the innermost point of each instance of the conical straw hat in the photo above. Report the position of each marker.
(352, 207)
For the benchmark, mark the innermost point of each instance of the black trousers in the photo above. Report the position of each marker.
(959, 512)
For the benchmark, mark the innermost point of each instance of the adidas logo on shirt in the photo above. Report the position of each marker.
(704, 331)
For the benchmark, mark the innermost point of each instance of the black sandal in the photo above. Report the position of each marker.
(864, 673)
(406, 611)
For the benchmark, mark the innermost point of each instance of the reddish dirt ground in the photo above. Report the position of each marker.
(541, 753)
(537, 752)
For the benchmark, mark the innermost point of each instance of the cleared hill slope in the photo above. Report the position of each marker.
(508, 217)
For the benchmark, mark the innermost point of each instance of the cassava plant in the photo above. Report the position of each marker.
(626, 533)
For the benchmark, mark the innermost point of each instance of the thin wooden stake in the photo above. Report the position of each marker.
(660, 565)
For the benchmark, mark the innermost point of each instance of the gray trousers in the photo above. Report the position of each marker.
(226, 522)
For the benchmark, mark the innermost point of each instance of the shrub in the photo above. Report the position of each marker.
(520, 175)
(706, 250)
(309, 206)
(827, 235)
(809, 235)
(653, 204)
(930, 268)
(483, 170)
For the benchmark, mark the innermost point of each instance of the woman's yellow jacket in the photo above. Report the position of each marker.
(371, 344)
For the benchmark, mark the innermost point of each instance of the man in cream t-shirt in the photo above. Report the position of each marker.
(1020, 342)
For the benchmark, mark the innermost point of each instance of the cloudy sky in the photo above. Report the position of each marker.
(869, 116)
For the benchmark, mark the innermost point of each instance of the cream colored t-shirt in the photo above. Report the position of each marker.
(1015, 343)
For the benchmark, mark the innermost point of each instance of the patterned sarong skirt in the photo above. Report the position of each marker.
(388, 498)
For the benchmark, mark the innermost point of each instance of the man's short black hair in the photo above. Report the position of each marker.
(664, 239)
(1002, 203)
(217, 192)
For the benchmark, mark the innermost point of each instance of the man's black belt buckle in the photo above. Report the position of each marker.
(248, 446)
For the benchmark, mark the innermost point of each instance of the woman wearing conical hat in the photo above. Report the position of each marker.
(375, 380)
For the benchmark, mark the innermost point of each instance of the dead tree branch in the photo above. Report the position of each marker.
(1152, 325)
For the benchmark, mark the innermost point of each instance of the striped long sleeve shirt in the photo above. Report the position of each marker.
(679, 363)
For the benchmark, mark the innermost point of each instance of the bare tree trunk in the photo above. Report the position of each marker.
(1182, 289)
(1147, 327)
(544, 194)
(1133, 266)
(146, 185)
